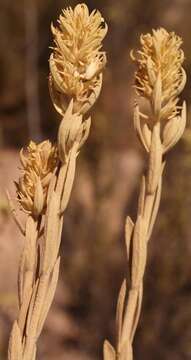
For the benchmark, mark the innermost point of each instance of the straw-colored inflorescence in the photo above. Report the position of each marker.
(38, 165)
(159, 79)
(48, 171)
(77, 60)
(159, 68)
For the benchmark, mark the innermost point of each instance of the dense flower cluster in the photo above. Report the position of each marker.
(38, 164)
(159, 70)
(77, 60)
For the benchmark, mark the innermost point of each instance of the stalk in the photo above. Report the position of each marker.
(159, 58)
(48, 171)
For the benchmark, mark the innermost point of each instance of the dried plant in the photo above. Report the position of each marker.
(48, 171)
(77, 61)
(38, 164)
(159, 79)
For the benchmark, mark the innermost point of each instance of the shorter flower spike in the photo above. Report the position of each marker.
(160, 77)
(38, 163)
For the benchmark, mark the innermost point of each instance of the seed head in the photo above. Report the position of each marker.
(160, 77)
(38, 164)
(77, 61)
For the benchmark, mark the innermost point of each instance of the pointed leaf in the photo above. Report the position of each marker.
(108, 351)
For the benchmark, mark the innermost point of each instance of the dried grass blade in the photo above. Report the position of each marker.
(38, 303)
(155, 161)
(51, 187)
(31, 308)
(126, 352)
(49, 296)
(86, 128)
(137, 312)
(141, 200)
(146, 133)
(108, 351)
(69, 180)
(137, 126)
(27, 292)
(129, 225)
(119, 311)
(156, 204)
(30, 244)
(15, 343)
(51, 238)
(139, 250)
(61, 179)
(13, 212)
(21, 278)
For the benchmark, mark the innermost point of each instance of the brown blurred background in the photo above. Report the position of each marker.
(105, 191)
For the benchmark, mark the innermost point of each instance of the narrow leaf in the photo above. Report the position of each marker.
(120, 310)
(108, 351)
(15, 343)
(49, 296)
(129, 225)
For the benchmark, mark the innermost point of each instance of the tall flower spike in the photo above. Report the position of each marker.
(38, 164)
(77, 61)
(45, 187)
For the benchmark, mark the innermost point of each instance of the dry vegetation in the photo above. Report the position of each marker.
(159, 79)
(94, 257)
(44, 188)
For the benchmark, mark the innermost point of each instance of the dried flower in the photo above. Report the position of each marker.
(38, 164)
(77, 60)
(160, 77)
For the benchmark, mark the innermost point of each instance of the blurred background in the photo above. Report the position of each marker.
(106, 187)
